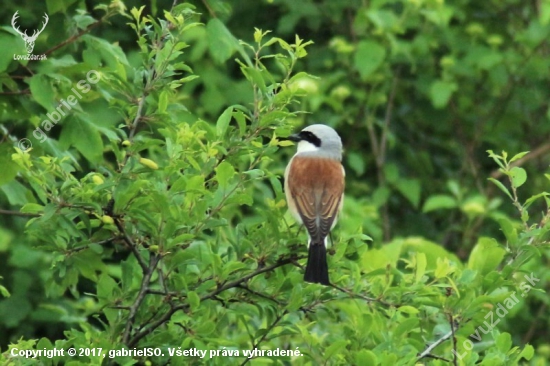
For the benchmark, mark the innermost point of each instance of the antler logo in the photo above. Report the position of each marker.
(29, 40)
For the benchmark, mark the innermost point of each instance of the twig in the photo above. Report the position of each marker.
(16, 92)
(431, 347)
(166, 317)
(228, 285)
(132, 245)
(138, 115)
(87, 246)
(437, 358)
(264, 336)
(17, 213)
(76, 36)
(209, 8)
(259, 294)
(153, 261)
(353, 294)
(452, 322)
(378, 146)
(387, 121)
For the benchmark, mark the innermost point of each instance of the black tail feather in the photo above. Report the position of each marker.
(317, 268)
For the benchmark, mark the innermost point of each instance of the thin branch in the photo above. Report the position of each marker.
(138, 115)
(87, 246)
(120, 307)
(228, 285)
(146, 280)
(259, 294)
(427, 352)
(379, 146)
(76, 36)
(387, 121)
(359, 296)
(437, 358)
(452, 322)
(17, 213)
(16, 92)
(132, 245)
(166, 317)
(264, 336)
(209, 8)
(373, 141)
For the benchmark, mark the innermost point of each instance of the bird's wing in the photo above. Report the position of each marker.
(317, 187)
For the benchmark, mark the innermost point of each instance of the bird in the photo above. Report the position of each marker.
(314, 189)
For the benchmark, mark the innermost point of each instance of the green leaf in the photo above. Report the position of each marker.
(255, 77)
(84, 136)
(366, 357)
(368, 57)
(420, 266)
(486, 255)
(221, 42)
(11, 42)
(241, 121)
(527, 352)
(296, 299)
(224, 172)
(441, 92)
(335, 348)
(163, 101)
(518, 156)
(106, 286)
(443, 267)
(474, 206)
(194, 300)
(508, 229)
(407, 309)
(518, 176)
(438, 202)
(55, 6)
(532, 199)
(410, 188)
(497, 158)
(9, 167)
(223, 122)
(4, 291)
(406, 327)
(32, 208)
(503, 342)
(501, 186)
(357, 163)
(42, 91)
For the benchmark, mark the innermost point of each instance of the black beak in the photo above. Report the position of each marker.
(295, 138)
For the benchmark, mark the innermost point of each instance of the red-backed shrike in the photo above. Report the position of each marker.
(314, 188)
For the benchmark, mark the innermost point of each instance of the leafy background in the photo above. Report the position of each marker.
(153, 214)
